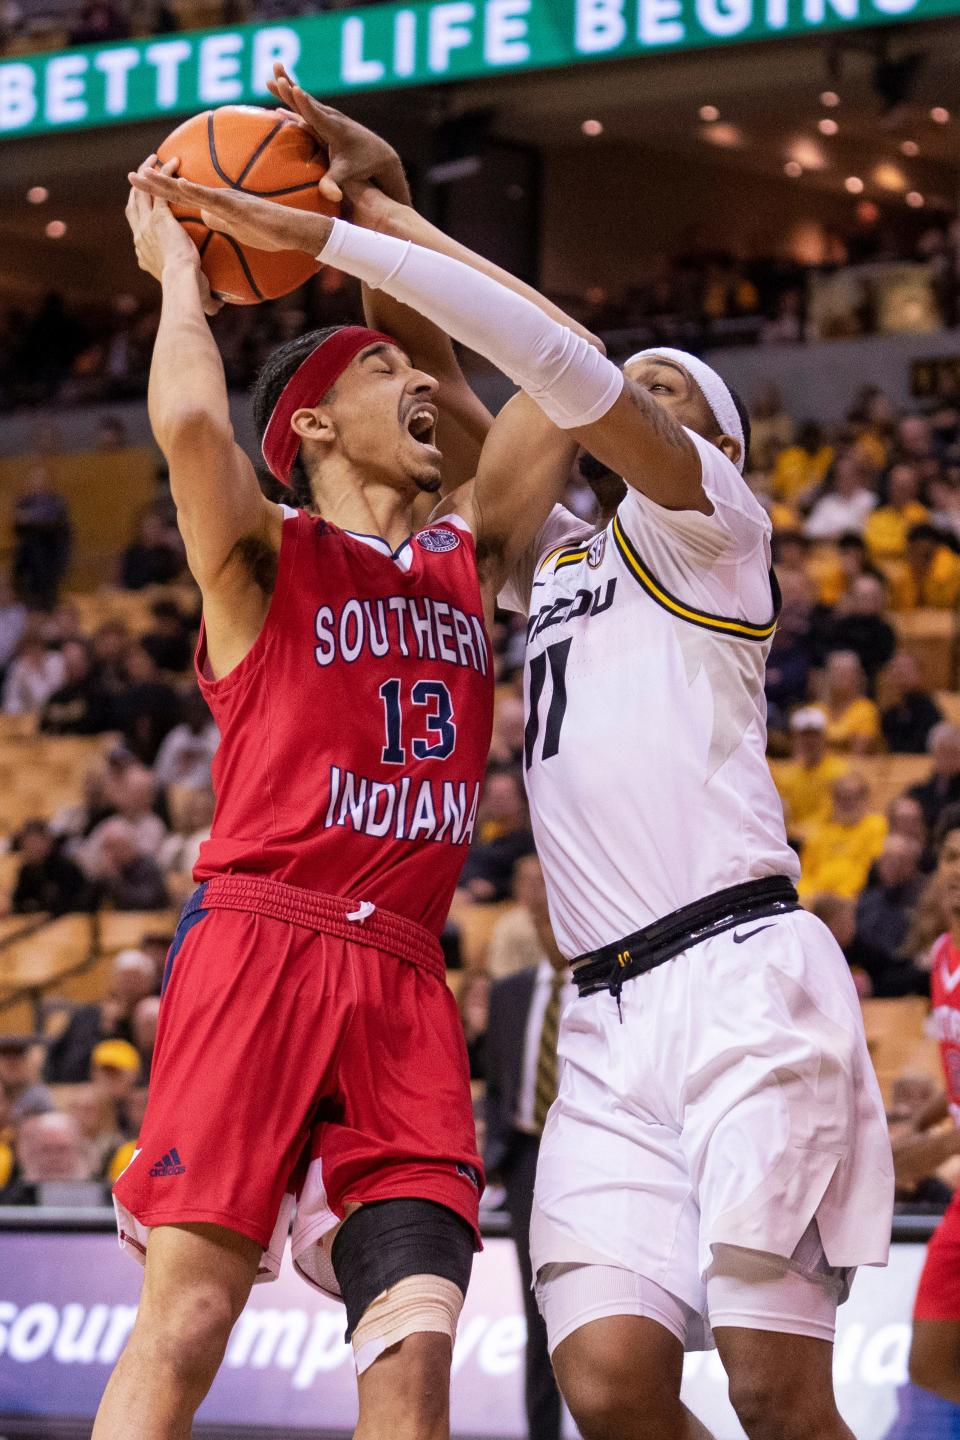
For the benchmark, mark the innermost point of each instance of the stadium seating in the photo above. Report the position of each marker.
(930, 635)
(899, 1043)
(42, 956)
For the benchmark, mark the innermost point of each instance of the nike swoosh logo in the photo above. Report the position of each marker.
(739, 939)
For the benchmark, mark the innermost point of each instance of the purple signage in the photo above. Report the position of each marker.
(67, 1303)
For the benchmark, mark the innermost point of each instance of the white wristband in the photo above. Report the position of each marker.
(569, 379)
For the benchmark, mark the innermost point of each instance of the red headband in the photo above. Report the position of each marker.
(306, 387)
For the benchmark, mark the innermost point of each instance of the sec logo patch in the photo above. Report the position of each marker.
(438, 540)
(595, 553)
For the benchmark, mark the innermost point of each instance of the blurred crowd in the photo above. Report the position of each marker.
(53, 351)
(866, 519)
(871, 279)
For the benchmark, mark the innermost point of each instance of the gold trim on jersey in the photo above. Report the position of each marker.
(740, 629)
(569, 555)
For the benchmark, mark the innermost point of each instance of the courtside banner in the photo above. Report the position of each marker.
(67, 1303)
(380, 47)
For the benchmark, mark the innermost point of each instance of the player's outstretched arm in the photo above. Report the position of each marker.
(523, 469)
(213, 482)
(360, 158)
(576, 387)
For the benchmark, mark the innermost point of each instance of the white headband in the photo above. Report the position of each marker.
(716, 392)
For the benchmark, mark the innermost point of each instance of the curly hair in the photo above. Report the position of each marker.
(269, 385)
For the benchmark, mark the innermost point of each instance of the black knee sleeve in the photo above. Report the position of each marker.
(390, 1240)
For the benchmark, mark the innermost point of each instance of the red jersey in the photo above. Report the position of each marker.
(355, 733)
(945, 994)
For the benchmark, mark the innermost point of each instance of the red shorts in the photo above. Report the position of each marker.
(938, 1295)
(302, 1057)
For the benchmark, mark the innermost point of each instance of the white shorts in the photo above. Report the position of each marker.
(733, 1104)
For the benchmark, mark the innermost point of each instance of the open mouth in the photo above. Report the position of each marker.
(422, 425)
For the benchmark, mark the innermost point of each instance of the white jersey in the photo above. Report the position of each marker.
(645, 742)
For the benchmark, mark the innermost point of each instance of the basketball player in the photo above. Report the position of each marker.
(935, 1352)
(308, 1044)
(718, 1153)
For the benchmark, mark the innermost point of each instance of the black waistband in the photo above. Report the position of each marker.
(636, 954)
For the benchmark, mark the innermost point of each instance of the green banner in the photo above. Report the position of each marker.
(381, 47)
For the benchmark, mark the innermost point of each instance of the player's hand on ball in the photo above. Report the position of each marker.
(262, 224)
(355, 153)
(159, 238)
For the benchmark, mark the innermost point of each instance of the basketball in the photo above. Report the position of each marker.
(244, 147)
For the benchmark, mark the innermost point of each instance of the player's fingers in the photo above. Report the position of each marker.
(328, 124)
(339, 171)
(281, 82)
(225, 202)
(171, 166)
(329, 189)
(149, 182)
(335, 119)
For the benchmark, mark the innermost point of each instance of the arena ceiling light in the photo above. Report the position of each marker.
(592, 128)
(826, 126)
(708, 114)
(940, 115)
(807, 153)
(830, 99)
(914, 199)
(794, 169)
(37, 194)
(910, 148)
(853, 184)
(889, 176)
(727, 136)
(56, 230)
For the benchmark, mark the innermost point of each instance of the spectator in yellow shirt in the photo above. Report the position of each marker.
(874, 420)
(837, 568)
(837, 857)
(930, 575)
(803, 466)
(887, 528)
(806, 784)
(782, 517)
(853, 721)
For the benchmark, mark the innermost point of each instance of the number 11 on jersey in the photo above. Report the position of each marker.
(557, 656)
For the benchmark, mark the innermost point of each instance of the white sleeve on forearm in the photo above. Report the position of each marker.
(569, 379)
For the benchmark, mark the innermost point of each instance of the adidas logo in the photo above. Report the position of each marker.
(171, 1164)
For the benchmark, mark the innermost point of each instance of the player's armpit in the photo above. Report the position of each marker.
(642, 442)
(524, 467)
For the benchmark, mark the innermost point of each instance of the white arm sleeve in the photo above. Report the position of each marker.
(568, 378)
